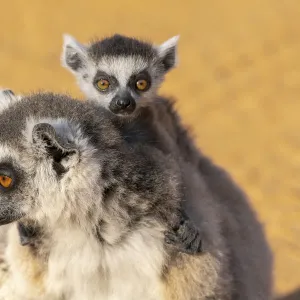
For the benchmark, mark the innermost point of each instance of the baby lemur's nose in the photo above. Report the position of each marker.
(123, 102)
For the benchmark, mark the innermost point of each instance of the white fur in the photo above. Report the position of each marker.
(69, 42)
(168, 46)
(7, 100)
(85, 84)
(8, 152)
(80, 268)
(71, 184)
(121, 67)
(61, 126)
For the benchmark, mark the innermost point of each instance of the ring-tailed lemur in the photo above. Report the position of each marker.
(184, 236)
(119, 72)
(102, 205)
(123, 74)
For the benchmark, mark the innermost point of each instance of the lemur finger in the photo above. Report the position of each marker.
(171, 238)
(196, 245)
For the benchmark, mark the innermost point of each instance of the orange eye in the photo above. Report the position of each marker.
(103, 84)
(5, 181)
(141, 84)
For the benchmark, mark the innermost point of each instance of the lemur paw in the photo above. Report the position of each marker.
(185, 238)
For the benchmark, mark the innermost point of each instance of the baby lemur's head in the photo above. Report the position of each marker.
(63, 160)
(119, 72)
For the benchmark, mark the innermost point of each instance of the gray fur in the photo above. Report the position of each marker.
(108, 211)
(121, 58)
(152, 112)
(110, 191)
(122, 61)
(251, 264)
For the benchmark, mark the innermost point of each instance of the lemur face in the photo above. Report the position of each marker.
(38, 151)
(119, 72)
(67, 160)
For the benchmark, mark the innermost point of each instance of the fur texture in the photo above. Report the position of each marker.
(157, 116)
(122, 58)
(123, 61)
(7, 98)
(102, 198)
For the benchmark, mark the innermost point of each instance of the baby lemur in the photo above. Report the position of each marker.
(102, 203)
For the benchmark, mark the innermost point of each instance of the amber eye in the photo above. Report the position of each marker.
(103, 84)
(5, 181)
(141, 84)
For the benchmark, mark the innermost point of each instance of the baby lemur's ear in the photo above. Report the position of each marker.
(167, 52)
(74, 55)
(57, 145)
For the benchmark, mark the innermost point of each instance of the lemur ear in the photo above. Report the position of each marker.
(7, 97)
(57, 145)
(167, 52)
(74, 55)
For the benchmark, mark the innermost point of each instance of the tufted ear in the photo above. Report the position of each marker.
(167, 52)
(7, 97)
(58, 146)
(74, 55)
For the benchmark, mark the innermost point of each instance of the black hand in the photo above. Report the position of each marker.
(186, 238)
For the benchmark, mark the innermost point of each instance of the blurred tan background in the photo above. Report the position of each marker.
(237, 86)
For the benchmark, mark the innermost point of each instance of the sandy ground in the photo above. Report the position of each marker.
(238, 86)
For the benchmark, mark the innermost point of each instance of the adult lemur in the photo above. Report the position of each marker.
(102, 204)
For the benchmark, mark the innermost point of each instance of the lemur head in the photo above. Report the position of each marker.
(119, 72)
(63, 160)
(46, 159)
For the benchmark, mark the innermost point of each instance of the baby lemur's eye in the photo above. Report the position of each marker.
(5, 181)
(102, 84)
(141, 84)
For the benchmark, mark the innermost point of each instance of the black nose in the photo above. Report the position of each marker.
(123, 102)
